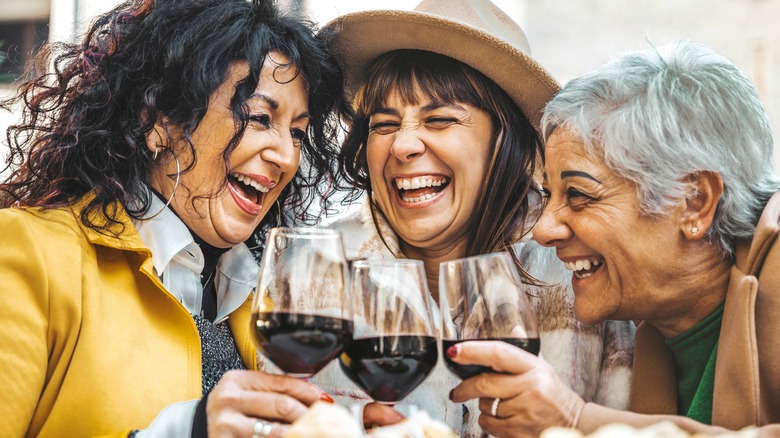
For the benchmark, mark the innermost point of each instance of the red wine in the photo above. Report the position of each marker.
(298, 343)
(388, 368)
(530, 345)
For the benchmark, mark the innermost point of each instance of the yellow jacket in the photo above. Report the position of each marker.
(91, 343)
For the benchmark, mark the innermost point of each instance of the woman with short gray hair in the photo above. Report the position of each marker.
(661, 200)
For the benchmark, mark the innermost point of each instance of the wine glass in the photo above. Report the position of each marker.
(482, 298)
(394, 346)
(302, 312)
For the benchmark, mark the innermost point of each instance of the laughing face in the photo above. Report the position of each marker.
(428, 162)
(264, 161)
(624, 263)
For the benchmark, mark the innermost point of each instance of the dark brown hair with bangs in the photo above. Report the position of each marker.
(503, 211)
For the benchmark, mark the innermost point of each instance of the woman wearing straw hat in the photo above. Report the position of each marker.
(445, 143)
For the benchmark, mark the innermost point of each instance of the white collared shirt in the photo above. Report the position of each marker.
(179, 261)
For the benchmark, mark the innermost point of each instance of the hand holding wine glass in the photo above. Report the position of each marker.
(302, 313)
(394, 346)
(482, 298)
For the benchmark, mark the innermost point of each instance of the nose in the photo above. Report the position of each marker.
(282, 152)
(550, 229)
(407, 144)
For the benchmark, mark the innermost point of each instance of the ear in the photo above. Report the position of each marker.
(701, 203)
(156, 138)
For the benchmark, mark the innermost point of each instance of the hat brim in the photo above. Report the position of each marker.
(357, 39)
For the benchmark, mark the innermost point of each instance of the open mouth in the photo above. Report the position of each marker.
(420, 188)
(584, 268)
(247, 187)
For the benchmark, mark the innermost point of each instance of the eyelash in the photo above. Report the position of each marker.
(432, 122)
(574, 193)
(261, 119)
(298, 135)
(575, 197)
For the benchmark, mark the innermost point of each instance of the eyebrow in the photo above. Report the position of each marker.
(275, 105)
(430, 107)
(269, 100)
(576, 173)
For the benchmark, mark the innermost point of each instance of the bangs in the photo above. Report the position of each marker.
(415, 75)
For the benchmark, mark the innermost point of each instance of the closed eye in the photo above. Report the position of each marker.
(260, 120)
(440, 122)
(298, 136)
(383, 128)
(577, 199)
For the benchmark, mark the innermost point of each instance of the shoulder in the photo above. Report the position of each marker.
(359, 231)
(35, 224)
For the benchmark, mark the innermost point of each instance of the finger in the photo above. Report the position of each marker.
(501, 427)
(375, 414)
(297, 388)
(261, 395)
(489, 386)
(255, 428)
(502, 357)
(272, 406)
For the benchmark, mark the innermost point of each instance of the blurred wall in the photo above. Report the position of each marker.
(568, 37)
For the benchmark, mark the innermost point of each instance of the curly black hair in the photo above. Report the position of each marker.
(87, 108)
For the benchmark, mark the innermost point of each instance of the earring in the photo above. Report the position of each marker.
(154, 157)
(694, 230)
(175, 184)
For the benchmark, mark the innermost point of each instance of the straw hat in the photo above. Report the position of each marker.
(475, 32)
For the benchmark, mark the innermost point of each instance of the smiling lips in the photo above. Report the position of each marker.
(248, 191)
(420, 188)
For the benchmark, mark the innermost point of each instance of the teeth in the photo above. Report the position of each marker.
(250, 182)
(582, 265)
(419, 198)
(420, 181)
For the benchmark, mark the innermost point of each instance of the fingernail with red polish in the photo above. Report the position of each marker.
(326, 398)
(452, 351)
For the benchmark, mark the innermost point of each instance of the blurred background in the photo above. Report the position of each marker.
(568, 37)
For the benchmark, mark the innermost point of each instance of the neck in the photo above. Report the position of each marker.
(431, 257)
(701, 290)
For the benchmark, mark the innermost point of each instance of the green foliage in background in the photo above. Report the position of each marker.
(4, 77)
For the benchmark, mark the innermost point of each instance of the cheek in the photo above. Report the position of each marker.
(376, 157)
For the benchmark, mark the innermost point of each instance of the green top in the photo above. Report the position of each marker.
(694, 352)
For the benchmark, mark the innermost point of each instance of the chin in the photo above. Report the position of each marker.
(586, 316)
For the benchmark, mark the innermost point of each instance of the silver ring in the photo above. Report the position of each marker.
(494, 407)
(262, 429)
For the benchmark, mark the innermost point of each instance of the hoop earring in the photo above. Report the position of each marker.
(175, 184)
(154, 157)
(278, 213)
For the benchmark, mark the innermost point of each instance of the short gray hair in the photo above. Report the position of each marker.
(657, 115)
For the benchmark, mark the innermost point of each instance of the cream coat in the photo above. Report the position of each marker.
(593, 360)
(747, 368)
(91, 342)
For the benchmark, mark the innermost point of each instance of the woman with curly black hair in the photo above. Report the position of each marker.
(144, 160)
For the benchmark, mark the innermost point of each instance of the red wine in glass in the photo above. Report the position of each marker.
(300, 344)
(530, 345)
(389, 368)
(302, 311)
(394, 346)
(482, 298)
